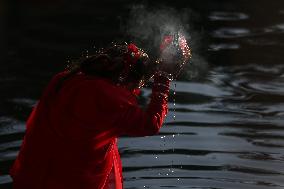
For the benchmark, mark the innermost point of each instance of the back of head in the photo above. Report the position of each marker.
(122, 63)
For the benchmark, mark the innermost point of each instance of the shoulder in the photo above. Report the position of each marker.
(102, 89)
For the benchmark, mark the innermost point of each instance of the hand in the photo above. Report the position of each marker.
(174, 54)
(168, 67)
(170, 62)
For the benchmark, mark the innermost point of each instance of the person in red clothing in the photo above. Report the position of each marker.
(71, 136)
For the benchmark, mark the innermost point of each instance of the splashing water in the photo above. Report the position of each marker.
(174, 49)
(174, 118)
(174, 101)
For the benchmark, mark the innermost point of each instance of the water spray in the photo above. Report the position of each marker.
(175, 52)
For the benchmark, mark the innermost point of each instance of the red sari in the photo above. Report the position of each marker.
(71, 137)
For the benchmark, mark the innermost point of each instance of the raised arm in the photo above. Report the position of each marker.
(138, 122)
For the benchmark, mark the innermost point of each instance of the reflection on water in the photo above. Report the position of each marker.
(228, 130)
(231, 32)
(228, 134)
(222, 46)
(228, 16)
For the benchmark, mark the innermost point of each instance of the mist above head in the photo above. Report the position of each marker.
(148, 26)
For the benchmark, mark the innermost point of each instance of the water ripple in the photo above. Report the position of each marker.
(227, 16)
(231, 33)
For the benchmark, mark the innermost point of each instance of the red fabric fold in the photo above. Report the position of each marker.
(72, 132)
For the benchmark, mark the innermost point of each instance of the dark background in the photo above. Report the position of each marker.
(235, 98)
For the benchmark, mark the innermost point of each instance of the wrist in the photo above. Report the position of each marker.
(163, 75)
(161, 83)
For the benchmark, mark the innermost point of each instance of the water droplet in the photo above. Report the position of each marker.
(174, 102)
(87, 54)
(174, 117)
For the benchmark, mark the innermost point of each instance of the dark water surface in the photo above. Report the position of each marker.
(225, 129)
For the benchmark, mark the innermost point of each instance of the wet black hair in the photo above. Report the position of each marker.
(110, 63)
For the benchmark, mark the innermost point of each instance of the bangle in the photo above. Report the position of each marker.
(165, 74)
(161, 84)
(160, 95)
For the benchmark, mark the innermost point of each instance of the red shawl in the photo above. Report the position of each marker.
(70, 142)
